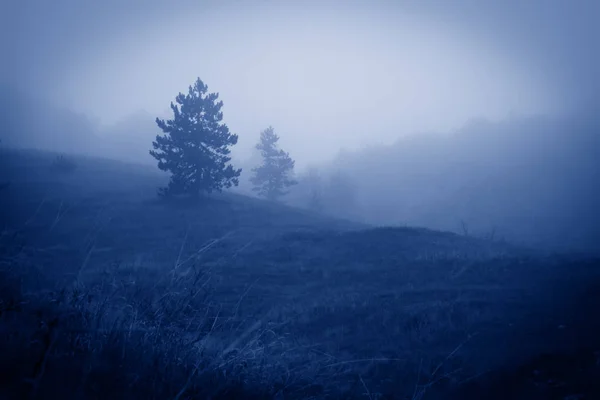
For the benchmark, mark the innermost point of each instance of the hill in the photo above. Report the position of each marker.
(530, 179)
(108, 292)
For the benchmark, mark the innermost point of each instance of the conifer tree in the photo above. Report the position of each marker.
(195, 144)
(274, 175)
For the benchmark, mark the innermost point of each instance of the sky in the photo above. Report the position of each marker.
(326, 75)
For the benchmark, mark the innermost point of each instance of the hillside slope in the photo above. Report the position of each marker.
(233, 297)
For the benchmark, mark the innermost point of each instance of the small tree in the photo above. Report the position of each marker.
(273, 176)
(195, 144)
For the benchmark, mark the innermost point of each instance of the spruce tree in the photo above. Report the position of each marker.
(274, 175)
(194, 146)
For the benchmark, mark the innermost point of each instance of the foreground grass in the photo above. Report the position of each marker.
(137, 333)
(118, 339)
(106, 294)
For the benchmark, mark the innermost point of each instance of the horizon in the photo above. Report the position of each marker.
(327, 78)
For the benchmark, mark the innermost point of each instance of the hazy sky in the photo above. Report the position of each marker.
(326, 75)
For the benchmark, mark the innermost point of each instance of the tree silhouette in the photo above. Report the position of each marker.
(274, 175)
(195, 144)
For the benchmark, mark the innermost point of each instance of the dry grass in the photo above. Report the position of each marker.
(129, 337)
(111, 295)
(138, 333)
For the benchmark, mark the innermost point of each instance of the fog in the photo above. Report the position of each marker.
(409, 209)
(382, 93)
(528, 180)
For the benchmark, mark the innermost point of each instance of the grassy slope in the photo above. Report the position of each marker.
(232, 294)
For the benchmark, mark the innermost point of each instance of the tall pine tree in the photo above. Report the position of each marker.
(274, 175)
(195, 144)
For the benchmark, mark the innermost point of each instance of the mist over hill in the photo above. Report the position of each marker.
(531, 180)
(298, 199)
(29, 121)
(35, 123)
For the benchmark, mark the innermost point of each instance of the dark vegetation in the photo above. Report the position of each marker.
(195, 146)
(109, 292)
